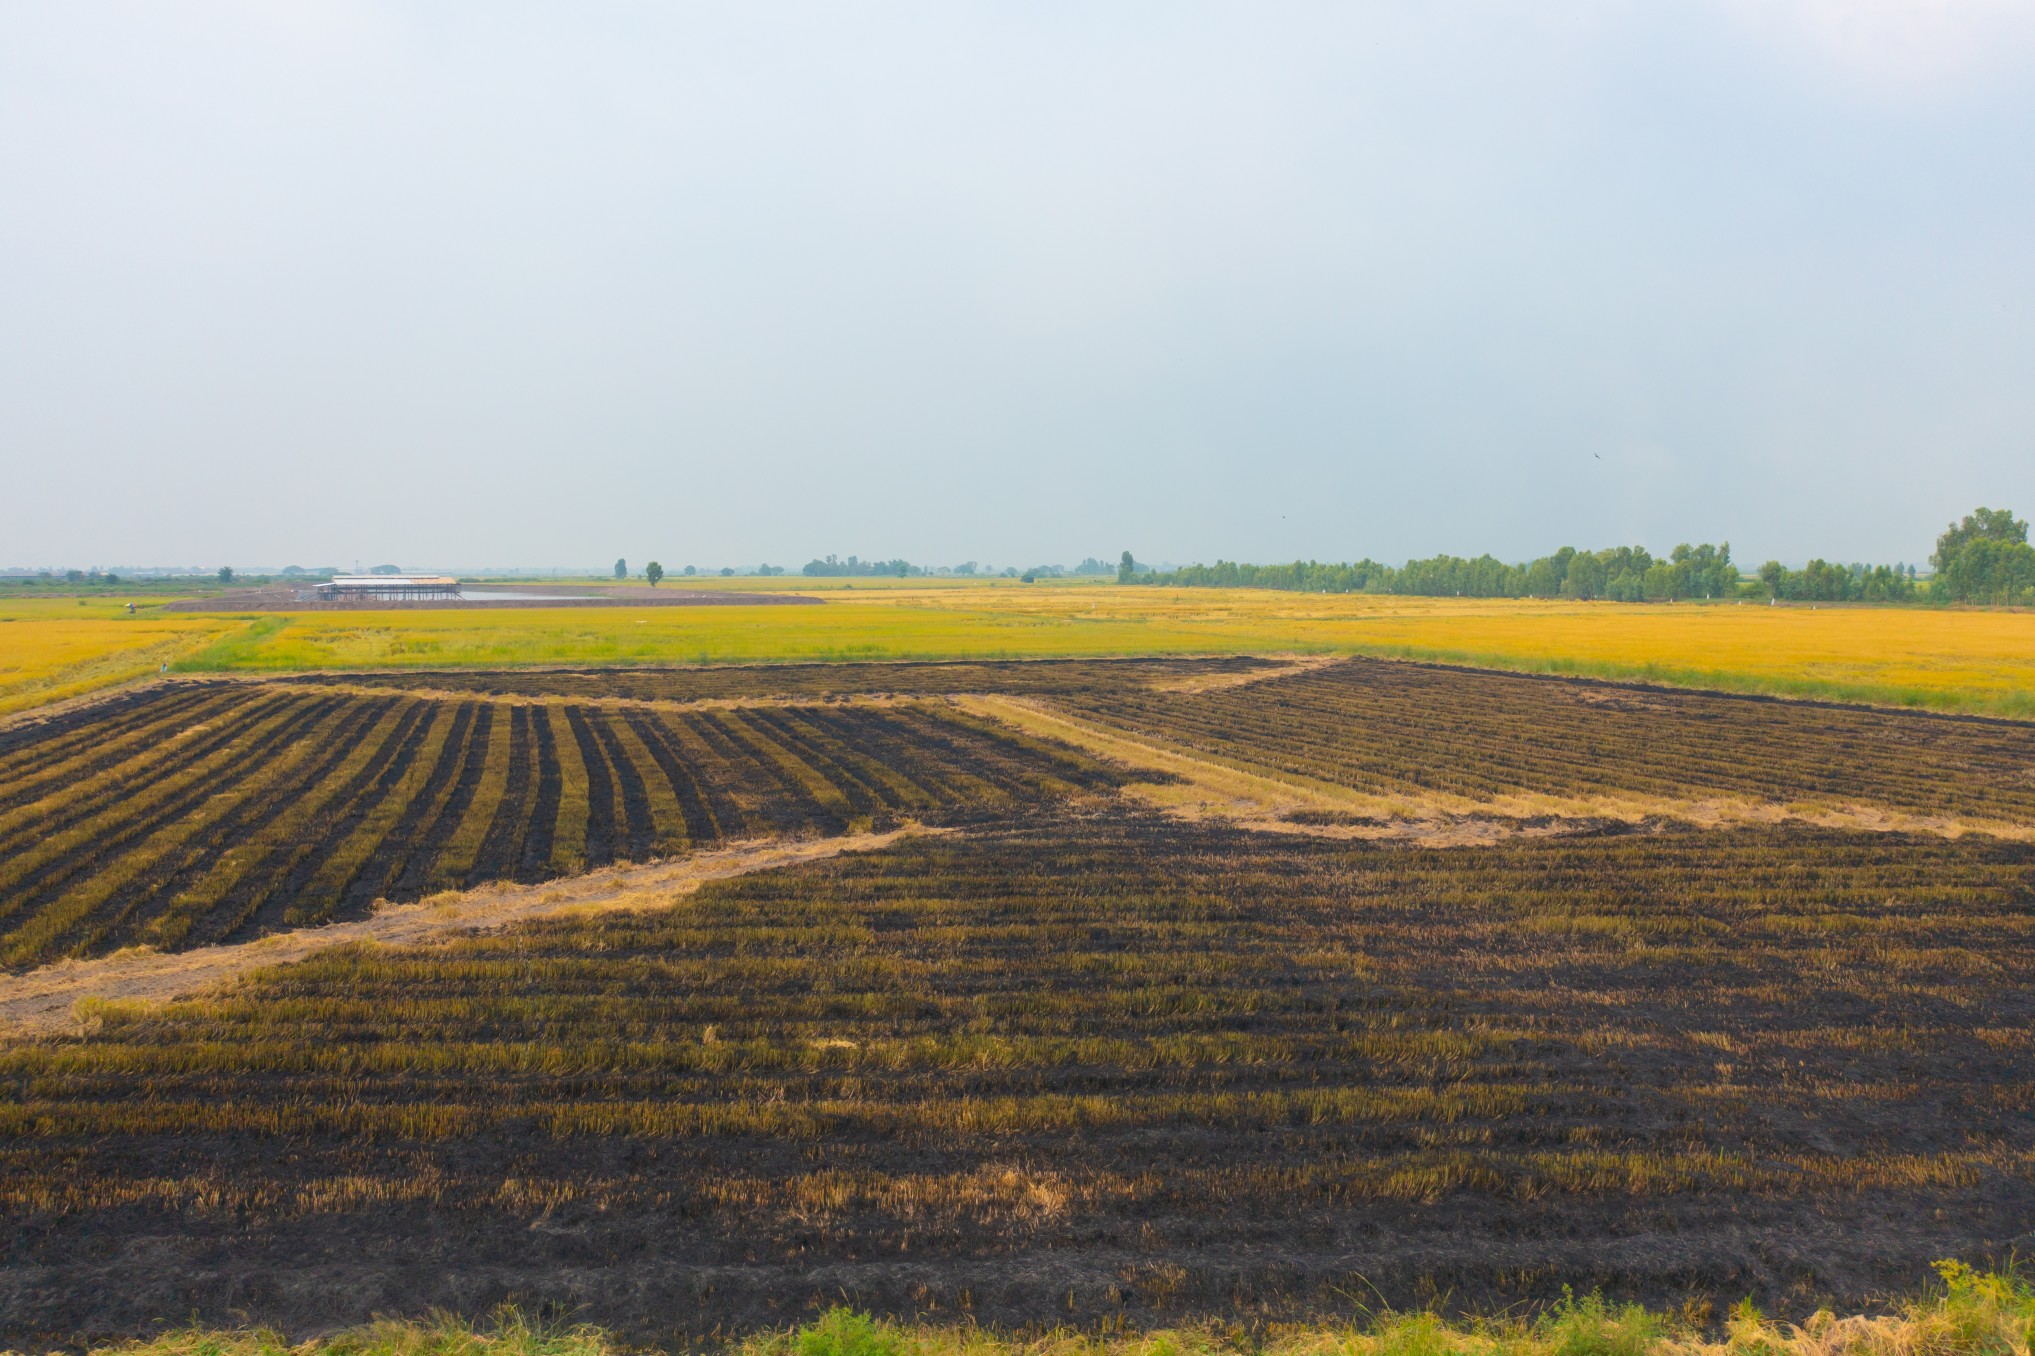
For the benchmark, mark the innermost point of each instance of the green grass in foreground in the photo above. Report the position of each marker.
(1976, 1314)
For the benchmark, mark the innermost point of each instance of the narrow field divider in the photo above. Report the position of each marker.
(49, 999)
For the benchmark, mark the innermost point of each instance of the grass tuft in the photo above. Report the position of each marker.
(1979, 1313)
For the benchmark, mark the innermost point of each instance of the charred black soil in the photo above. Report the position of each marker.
(221, 812)
(1101, 1067)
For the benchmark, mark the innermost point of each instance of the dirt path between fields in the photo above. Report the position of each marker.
(46, 1001)
(1253, 796)
(368, 688)
(1281, 666)
(364, 685)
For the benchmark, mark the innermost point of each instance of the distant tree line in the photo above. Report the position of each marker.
(1985, 558)
(68, 577)
(1625, 573)
(1822, 582)
(855, 567)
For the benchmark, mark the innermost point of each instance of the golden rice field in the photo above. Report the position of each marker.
(1980, 661)
(53, 648)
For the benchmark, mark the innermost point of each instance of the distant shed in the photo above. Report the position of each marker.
(389, 588)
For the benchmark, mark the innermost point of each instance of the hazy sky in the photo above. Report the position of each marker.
(455, 284)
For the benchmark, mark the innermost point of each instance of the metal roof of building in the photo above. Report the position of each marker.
(383, 581)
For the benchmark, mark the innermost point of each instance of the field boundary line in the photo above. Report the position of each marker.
(1201, 781)
(438, 694)
(63, 706)
(56, 998)
(1259, 797)
(1285, 666)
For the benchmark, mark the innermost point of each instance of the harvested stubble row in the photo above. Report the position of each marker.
(1398, 728)
(1100, 1065)
(1016, 677)
(216, 813)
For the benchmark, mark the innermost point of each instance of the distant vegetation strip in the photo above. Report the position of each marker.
(216, 812)
(1985, 558)
(1625, 574)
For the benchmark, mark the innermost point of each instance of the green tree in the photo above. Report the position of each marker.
(621, 569)
(1126, 569)
(226, 574)
(1774, 576)
(1982, 525)
(1587, 577)
(653, 572)
(1989, 570)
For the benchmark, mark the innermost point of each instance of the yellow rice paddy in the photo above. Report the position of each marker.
(1970, 660)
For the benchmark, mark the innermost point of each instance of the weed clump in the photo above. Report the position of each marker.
(1980, 1313)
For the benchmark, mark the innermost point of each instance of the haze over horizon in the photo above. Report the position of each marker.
(461, 283)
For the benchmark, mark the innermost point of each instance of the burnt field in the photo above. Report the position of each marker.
(1102, 1068)
(218, 812)
(1396, 728)
(1077, 1062)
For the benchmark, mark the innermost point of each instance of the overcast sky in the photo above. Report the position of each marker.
(460, 284)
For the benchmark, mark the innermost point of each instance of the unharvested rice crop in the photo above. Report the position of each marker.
(1950, 659)
(1096, 1069)
(52, 649)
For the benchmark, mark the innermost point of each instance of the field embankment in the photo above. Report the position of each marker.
(871, 678)
(66, 996)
